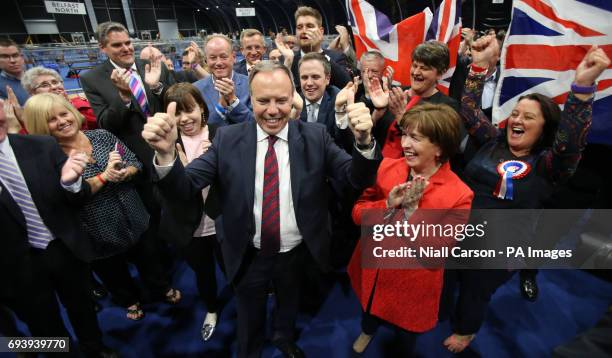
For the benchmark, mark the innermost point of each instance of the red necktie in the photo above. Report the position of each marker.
(270, 216)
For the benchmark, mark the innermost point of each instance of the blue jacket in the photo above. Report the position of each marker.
(243, 112)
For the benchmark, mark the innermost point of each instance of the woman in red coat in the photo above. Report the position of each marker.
(408, 299)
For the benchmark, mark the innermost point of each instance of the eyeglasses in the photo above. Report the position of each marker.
(53, 83)
(13, 56)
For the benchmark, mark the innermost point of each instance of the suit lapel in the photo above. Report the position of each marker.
(248, 155)
(26, 160)
(297, 160)
(323, 108)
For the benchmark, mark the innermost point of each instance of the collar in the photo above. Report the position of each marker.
(492, 77)
(5, 145)
(9, 76)
(283, 134)
(133, 68)
(308, 103)
(442, 174)
(302, 53)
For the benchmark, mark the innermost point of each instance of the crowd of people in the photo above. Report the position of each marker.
(263, 167)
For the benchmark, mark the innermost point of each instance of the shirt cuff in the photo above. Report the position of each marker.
(162, 170)
(74, 187)
(341, 120)
(159, 89)
(233, 105)
(368, 153)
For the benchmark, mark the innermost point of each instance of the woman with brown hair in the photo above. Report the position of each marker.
(196, 235)
(408, 299)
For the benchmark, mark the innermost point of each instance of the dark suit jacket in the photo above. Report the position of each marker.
(40, 159)
(339, 75)
(113, 115)
(240, 67)
(327, 117)
(230, 164)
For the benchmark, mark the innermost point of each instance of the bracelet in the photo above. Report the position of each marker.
(220, 108)
(194, 66)
(99, 177)
(584, 89)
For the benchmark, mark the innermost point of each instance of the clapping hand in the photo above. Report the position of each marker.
(285, 50)
(153, 72)
(348, 91)
(74, 167)
(407, 195)
(115, 171)
(378, 94)
(398, 99)
(227, 91)
(121, 79)
(161, 134)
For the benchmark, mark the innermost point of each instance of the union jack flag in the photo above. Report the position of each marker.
(372, 30)
(545, 43)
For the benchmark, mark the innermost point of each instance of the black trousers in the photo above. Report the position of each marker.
(57, 270)
(251, 288)
(467, 312)
(200, 256)
(147, 256)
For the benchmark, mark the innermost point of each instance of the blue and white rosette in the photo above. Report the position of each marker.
(509, 170)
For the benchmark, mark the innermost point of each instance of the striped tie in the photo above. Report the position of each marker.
(38, 234)
(270, 216)
(139, 93)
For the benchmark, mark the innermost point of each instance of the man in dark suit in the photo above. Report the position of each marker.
(309, 31)
(114, 89)
(43, 246)
(123, 91)
(225, 91)
(253, 47)
(319, 96)
(271, 176)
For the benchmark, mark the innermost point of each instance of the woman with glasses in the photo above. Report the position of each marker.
(43, 80)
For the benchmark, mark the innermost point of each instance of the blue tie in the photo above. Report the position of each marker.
(38, 234)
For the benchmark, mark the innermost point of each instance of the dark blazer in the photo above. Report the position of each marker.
(113, 115)
(40, 159)
(339, 75)
(240, 67)
(458, 81)
(327, 112)
(180, 219)
(327, 117)
(230, 164)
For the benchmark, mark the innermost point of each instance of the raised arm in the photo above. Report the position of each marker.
(474, 120)
(562, 159)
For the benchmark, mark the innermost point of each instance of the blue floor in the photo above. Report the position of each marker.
(570, 302)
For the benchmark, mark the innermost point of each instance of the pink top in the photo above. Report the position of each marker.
(193, 149)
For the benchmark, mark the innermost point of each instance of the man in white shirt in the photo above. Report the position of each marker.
(272, 175)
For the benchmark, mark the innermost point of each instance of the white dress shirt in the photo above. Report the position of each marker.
(309, 108)
(488, 91)
(289, 233)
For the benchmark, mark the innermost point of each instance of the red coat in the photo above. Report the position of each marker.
(407, 298)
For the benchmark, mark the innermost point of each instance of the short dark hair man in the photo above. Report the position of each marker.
(11, 67)
(265, 167)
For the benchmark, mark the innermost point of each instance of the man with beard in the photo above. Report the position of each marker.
(309, 31)
(225, 92)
